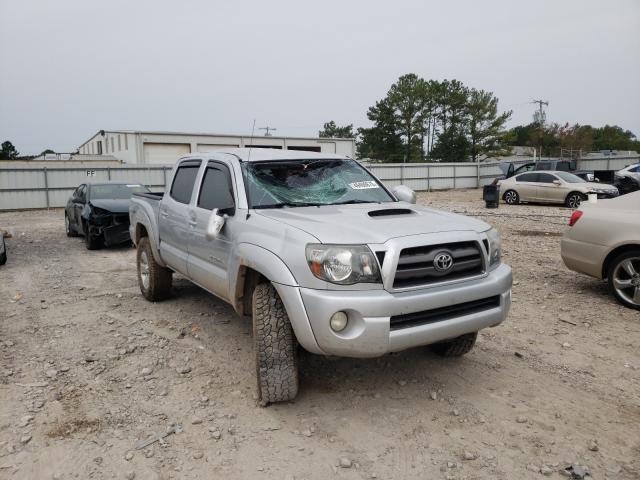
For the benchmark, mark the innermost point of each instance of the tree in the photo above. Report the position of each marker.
(382, 141)
(613, 137)
(331, 130)
(8, 151)
(452, 146)
(485, 126)
(407, 97)
(44, 152)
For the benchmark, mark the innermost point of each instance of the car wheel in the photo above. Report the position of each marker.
(68, 228)
(574, 199)
(624, 278)
(91, 242)
(455, 347)
(275, 346)
(511, 197)
(3, 255)
(154, 279)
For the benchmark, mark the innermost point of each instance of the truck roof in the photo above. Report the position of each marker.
(267, 154)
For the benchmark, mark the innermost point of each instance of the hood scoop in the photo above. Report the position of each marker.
(388, 212)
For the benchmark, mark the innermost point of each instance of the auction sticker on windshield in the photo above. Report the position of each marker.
(364, 185)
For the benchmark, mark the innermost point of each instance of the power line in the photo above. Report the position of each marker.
(540, 104)
(268, 129)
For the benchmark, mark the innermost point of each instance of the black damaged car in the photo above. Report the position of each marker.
(100, 212)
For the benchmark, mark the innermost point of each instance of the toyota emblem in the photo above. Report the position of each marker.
(443, 262)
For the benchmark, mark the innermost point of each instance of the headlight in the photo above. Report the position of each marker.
(343, 264)
(495, 246)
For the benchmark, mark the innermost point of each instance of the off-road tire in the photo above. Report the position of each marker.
(455, 347)
(157, 285)
(511, 197)
(610, 277)
(68, 228)
(569, 201)
(91, 242)
(275, 346)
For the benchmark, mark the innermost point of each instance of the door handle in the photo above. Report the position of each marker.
(164, 213)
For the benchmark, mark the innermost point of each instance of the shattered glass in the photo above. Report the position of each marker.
(311, 182)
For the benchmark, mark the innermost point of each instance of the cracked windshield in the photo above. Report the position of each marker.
(303, 183)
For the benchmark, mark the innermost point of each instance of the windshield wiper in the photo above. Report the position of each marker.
(289, 204)
(348, 202)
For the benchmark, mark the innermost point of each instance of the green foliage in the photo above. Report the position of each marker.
(331, 130)
(485, 126)
(419, 119)
(44, 152)
(556, 140)
(8, 151)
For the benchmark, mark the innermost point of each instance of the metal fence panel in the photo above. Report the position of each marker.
(39, 187)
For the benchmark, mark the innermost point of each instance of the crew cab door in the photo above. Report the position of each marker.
(209, 257)
(173, 221)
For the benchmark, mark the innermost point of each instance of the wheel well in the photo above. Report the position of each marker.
(575, 191)
(141, 231)
(248, 279)
(614, 253)
(507, 191)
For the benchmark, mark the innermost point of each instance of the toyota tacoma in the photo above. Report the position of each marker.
(321, 254)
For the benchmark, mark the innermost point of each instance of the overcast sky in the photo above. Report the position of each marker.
(71, 67)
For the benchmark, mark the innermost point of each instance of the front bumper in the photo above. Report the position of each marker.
(369, 333)
(114, 229)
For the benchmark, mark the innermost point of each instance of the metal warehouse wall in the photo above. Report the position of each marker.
(24, 188)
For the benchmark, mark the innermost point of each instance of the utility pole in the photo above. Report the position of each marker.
(267, 130)
(541, 119)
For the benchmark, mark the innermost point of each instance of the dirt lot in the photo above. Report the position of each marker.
(89, 368)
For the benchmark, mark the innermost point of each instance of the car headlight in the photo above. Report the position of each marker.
(343, 264)
(100, 211)
(495, 246)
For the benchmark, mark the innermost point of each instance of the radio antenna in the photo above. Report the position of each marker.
(251, 146)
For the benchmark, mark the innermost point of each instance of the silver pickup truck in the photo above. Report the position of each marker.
(320, 254)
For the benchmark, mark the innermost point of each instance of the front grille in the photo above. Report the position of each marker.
(416, 264)
(443, 313)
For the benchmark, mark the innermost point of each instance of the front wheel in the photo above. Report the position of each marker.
(511, 197)
(154, 279)
(3, 255)
(574, 199)
(455, 347)
(68, 228)
(624, 278)
(275, 346)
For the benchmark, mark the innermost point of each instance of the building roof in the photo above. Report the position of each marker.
(213, 134)
(268, 154)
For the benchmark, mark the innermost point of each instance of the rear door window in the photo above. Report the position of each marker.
(184, 180)
(545, 178)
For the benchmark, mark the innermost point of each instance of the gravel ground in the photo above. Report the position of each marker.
(88, 369)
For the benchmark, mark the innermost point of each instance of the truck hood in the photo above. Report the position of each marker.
(113, 206)
(371, 223)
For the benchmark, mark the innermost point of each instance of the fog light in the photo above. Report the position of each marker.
(338, 321)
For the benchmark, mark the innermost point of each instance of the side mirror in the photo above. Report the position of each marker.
(557, 182)
(215, 224)
(404, 194)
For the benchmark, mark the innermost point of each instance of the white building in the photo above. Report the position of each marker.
(166, 147)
